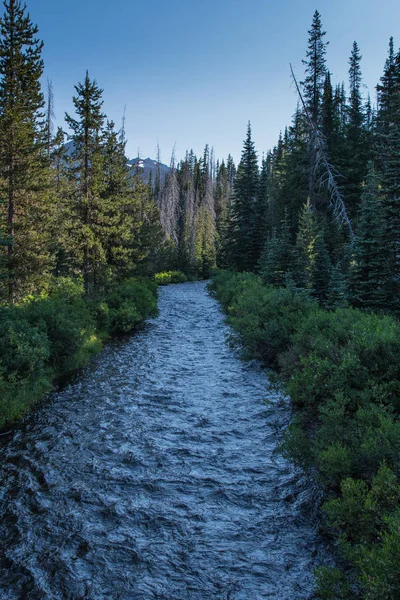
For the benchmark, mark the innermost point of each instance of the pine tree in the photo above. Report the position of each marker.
(370, 274)
(305, 244)
(338, 289)
(23, 165)
(147, 243)
(241, 248)
(313, 88)
(278, 261)
(313, 259)
(356, 155)
(315, 68)
(206, 238)
(186, 249)
(86, 173)
(62, 188)
(328, 114)
(259, 226)
(116, 227)
(388, 144)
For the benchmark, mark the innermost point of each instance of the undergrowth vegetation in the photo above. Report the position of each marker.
(167, 277)
(50, 335)
(342, 371)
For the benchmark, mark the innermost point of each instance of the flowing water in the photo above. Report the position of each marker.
(156, 475)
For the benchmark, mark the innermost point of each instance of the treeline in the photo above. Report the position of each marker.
(72, 210)
(323, 212)
(194, 203)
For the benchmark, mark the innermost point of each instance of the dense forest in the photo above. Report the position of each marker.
(309, 237)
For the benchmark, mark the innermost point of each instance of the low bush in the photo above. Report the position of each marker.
(167, 277)
(59, 331)
(264, 316)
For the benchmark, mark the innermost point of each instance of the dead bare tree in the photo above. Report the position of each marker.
(169, 202)
(50, 115)
(321, 162)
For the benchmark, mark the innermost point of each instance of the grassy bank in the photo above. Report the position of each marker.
(342, 371)
(56, 333)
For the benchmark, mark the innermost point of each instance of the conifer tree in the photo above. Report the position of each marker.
(315, 68)
(370, 275)
(241, 250)
(169, 202)
(388, 126)
(116, 226)
(86, 173)
(23, 165)
(313, 88)
(356, 156)
(48, 131)
(278, 261)
(147, 241)
(260, 210)
(305, 244)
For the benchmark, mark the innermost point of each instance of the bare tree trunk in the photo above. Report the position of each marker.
(329, 176)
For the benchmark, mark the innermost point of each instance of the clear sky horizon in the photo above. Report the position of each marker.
(193, 73)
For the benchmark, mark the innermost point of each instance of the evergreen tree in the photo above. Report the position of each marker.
(116, 226)
(328, 114)
(388, 125)
(147, 241)
(338, 289)
(260, 210)
(85, 169)
(278, 261)
(313, 258)
(241, 249)
(169, 203)
(356, 158)
(62, 187)
(48, 131)
(369, 274)
(315, 68)
(23, 165)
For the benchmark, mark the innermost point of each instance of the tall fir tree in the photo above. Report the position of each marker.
(370, 273)
(116, 226)
(313, 88)
(23, 164)
(86, 175)
(315, 64)
(388, 144)
(241, 249)
(278, 261)
(356, 151)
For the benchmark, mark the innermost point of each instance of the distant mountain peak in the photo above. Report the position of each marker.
(149, 166)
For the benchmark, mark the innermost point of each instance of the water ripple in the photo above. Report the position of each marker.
(156, 476)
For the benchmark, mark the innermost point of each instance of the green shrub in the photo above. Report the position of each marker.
(58, 332)
(167, 277)
(67, 321)
(130, 303)
(24, 371)
(345, 351)
(379, 564)
(265, 317)
(332, 584)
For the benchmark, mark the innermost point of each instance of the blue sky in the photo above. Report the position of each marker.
(194, 72)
